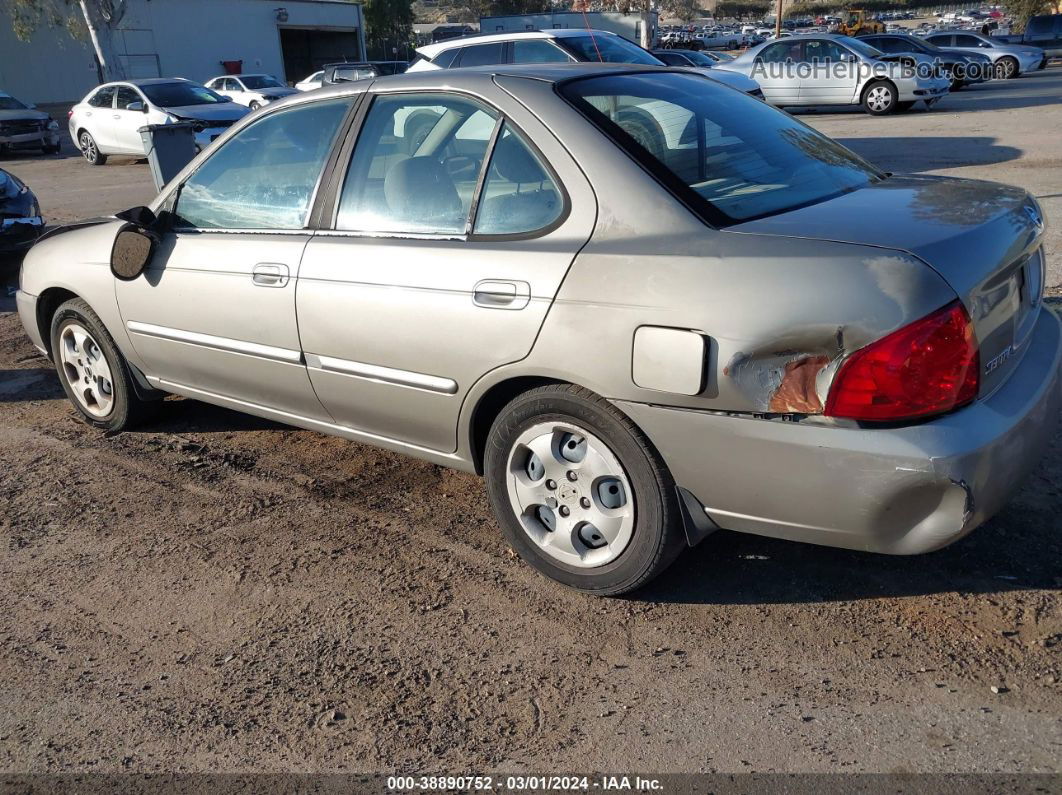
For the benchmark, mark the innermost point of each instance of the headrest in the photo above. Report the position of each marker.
(515, 163)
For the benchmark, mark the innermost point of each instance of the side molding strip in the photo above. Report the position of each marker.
(388, 375)
(218, 343)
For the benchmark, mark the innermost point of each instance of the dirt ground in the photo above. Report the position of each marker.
(214, 592)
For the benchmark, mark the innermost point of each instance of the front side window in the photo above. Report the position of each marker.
(127, 96)
(729, 157)
(416, 165)
(606, 49)
(264, 176)
(538, 51)
(822, 51)
(967, 41)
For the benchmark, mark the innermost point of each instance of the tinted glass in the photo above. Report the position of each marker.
(729, 155)
(782, 51)
(940, 41)
(672, 58)
(967, 41)
(607, 49)
(104, 98)
(860, 47)
(126, 96)
(416, 165)
(176, 95)
(538, 51)
(255, 82)
(446, 58)
(519, 196)
(264, 176)
(481, 55)
(8, 102)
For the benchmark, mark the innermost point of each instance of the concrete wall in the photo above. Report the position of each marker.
(168, 38)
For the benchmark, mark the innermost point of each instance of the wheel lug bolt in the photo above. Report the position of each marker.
(551, 484)
(564, 510)
(572, 476)
(551, 502)
(583, 501)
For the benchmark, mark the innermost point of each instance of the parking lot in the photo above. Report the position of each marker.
(217, 592)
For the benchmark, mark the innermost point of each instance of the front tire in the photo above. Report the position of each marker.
(580, 492)
(255, 105)
(90, 149)
(92, 370)
(1006, 68)
(880, 98)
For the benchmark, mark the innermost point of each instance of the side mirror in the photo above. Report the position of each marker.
(135, 243)
(136, 106)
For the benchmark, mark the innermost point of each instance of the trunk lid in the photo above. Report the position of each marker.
(984, 239)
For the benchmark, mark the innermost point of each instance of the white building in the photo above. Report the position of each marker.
(627, 25)
(186, 38)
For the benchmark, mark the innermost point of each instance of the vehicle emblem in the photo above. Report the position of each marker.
(1034, 216)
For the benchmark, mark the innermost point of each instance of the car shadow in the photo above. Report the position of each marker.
(31, 383)
(1018, 549)
(910, 155)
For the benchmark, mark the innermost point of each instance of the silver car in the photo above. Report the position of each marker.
(1011, 60)
(642, 304)
(826, 69)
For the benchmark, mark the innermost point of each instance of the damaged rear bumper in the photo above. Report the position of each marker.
(893, 490)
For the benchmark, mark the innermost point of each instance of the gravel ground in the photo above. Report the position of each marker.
(216, 592)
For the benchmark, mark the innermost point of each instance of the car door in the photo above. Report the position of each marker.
(127, 123)
(830, 74)
(775, 70)
(451, 235)
(97, 118)
(214, 313)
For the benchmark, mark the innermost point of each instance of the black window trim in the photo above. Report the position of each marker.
(328, 212)
(170, 202)
(701, 207)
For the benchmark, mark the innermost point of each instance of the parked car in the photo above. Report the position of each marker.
(349, 71)
(1011, 60)
(108, 120)
(638, 332)
(575, 45)
(1043, 31)
(964, 68)
(20, 214)
(254, 91)
(22, 125)
(827, 69)
(701, 58)
(310, 83)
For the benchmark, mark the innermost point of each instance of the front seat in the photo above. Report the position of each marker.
(421, 196)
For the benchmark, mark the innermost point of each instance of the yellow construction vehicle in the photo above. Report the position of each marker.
(857, 24)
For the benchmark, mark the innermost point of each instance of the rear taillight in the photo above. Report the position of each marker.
(70, 113)
(928, 367)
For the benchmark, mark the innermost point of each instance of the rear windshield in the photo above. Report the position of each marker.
(607, 48)
(176, 95)
(730, 157)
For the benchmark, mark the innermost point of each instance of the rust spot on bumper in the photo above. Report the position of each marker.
(797, 393)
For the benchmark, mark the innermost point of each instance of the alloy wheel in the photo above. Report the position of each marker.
(879, 98)
(86, 370)
(570, 494)
(88, 148)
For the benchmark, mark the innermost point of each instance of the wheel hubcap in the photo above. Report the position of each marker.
(86, 370)
(88, 147)
(571, 495)
(879, 98)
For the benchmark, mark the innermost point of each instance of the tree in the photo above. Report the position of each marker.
(96, 18)
(1021, 10)
(743, 9)
(388, 24)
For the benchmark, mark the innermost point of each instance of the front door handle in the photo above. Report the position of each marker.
(270, 274)
(491, 294)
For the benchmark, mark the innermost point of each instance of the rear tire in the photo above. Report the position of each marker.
(90, 149)
(255, 105)
(879, 98)
(92, 370)
(604, 519)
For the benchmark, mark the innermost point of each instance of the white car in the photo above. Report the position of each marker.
(311, 82)
(254, 91)
(108, 120)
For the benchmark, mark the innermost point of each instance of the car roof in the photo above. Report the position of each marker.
(431, 50)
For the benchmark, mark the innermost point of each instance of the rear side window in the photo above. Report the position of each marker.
(538, 51)
(445, 59)
(967, 41)
(519, 196)
(482, 55)
(265, 175)
(103, 98)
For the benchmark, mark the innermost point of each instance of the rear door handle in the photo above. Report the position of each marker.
(491, 294)
(270, 274)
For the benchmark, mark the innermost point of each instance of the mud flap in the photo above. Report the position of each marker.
(694, 520)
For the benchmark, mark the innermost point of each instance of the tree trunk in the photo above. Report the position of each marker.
(647, 33)
(111, 67)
